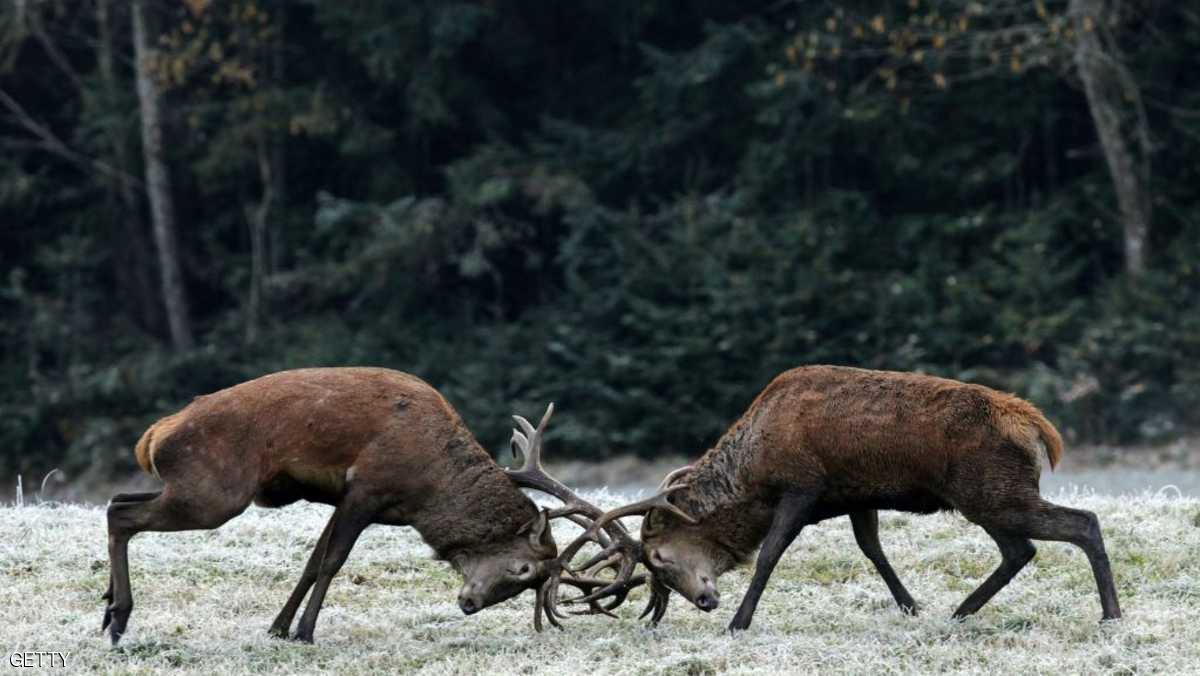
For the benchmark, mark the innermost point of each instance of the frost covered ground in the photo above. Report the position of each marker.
(204, 600)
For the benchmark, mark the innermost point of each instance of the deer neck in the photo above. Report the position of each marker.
(476, 507)
(722, 493)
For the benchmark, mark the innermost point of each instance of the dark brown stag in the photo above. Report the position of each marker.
(382, 447)
(825, 441)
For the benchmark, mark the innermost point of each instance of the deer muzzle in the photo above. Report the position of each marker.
(709, 598)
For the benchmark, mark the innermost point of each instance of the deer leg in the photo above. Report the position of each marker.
(162, 513)
(1047, 521)
(866, 533)
(791, 514)
(345, 527)
(1015, 552)
(283, 621)
(125, 497)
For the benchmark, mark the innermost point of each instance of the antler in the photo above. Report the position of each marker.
(623, 583)
(656, 607)
(620, 551)
(673, 475)
(628, 560)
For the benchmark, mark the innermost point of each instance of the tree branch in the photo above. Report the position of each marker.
(51, 143)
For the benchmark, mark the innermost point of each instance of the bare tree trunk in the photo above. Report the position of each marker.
(258, 219)
(1107, 85)
(278, 154)
(158, 185)
(133, 270)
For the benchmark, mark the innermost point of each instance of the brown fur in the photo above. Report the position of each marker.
(382, 446)
(886, 438)
(826, 441)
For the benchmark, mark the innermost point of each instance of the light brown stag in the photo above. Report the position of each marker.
(824, 441)
(382, 447)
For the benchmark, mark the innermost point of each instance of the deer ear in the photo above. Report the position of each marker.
(539, 532)
(653, 523)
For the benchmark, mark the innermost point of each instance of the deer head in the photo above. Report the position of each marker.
(499, 574)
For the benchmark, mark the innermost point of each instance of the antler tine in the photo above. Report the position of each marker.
(533, 437)
(659, 500)
(587, 584)
(519, 445)
(673, 475)
(622, 582)
(546, 603)
(660, 596)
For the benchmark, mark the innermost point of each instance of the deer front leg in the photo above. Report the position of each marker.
(866, 533)
(283, 621)
(348, 522)
(791, 514)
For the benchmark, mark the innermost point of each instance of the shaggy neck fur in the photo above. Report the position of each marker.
(734, 511)
(478, 508)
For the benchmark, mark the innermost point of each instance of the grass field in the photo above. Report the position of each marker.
(204, 600)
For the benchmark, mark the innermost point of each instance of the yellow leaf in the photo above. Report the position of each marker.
(918, 56)
(939, 80)
(1041, 8)
(196, 7)
(939, 41)
(780, 80)
(1089, 24)
(1014, 63)
(878, 23)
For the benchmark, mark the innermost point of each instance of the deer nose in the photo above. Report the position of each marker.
(710, 598)
(469, 605)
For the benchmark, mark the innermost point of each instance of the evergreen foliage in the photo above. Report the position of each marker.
(640, 210)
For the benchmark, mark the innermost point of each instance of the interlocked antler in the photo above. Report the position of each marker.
(659, 593)
(620, 551)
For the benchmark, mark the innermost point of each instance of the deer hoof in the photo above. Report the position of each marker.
(115, 619)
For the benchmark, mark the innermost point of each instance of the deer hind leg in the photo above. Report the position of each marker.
(348, 522)
(126, 497)
(866, 533)
(1048, 521)
(283, 621)
(1015, 552)
(791, 514)
(165, 512)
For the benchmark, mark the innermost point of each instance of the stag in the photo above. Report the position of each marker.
(381, 447)
(826, 441)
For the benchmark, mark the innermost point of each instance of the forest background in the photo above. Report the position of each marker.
(641, 210)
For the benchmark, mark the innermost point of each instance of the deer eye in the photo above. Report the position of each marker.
(523, 570)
